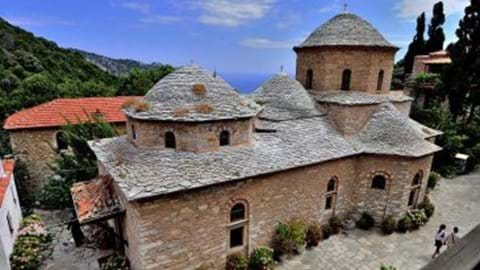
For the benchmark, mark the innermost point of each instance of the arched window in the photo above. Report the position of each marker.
(134, 133)
(309, 80)
(415, 189)
(331, 185)
(331, 194)
(238, 226)
(346, 78)
(224, 138)
(61, 141)
(381, 74)
(170, 140)
(379, 182)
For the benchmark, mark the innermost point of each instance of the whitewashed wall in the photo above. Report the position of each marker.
(10, 205)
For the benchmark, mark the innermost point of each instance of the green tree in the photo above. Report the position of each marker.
(463, 79)
(138, 82)
(417, 46)
(435, 29)
(76, 164)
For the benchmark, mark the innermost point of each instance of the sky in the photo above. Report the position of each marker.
(232, 36)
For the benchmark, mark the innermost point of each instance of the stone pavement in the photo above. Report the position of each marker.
(457, 203)
(65, 255)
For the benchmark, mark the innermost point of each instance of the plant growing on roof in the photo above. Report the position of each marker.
(136, 104)
(199, 89)
(204, 108)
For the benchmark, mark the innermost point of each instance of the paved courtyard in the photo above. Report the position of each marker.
(457, 203)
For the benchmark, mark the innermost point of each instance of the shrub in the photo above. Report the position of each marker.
(383, 267)
(31, 244)
(427, 206)
(389, 224)
(55, 195)
(314, 234)
(115, 262)
(237, 262)
(335, 224)
(298, 231)
(137, 104)
(366, 221)
(326, 231)
(419, 218)
(433, 180)
(282, 243)
(204, 108)
(404, 224)
(427, 78)
(199, 89)
(261, 258)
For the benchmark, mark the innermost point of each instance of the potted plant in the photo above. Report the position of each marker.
(388, 225)
(366, 221)
(237, 261)
(314, 234)
(261, 258)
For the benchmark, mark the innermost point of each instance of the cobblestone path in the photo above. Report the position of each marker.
(457, 203)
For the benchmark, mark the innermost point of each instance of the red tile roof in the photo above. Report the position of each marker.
(8, 166)
(95, 199)
(55, 112)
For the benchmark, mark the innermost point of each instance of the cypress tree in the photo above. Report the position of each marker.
(463, 80)
(435, 29)
(417, 46)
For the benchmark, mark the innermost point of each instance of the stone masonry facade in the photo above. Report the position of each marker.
(188, 136)
(328, 63)
(157, 229)
(37, 148)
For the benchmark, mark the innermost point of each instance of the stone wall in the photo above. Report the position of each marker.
(328, 64)
(348, 120)
(195, 137)
(184, 230)
(37, 149)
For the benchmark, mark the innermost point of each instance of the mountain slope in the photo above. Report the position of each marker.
(118, 67)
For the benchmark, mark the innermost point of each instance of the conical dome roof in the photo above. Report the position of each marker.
(348, 30)
(193, 94)
(284, 98)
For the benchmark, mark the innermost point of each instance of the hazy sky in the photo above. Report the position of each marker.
(249, 36)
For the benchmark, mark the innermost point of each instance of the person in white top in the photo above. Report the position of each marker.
(452, 238)
(440, 238)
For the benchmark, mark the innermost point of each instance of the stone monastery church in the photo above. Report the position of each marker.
(204, 172)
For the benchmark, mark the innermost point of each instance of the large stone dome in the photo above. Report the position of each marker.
(284, 98)
(346, 30)
(192, 94)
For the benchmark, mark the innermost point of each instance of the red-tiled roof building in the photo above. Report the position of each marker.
(34, 132)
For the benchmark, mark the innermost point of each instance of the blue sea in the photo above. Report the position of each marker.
(245, 83)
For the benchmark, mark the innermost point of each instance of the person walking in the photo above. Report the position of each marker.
(452, 238)
(440, 238)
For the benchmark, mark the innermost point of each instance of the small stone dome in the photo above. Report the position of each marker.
(192, 94)
(346, 30)
(284, 98)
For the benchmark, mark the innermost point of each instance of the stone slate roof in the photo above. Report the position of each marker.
(289, 144)
(346, 30)
(358, 98)
(422, 129)
(389, 132)
(174, 98)
(284, 98)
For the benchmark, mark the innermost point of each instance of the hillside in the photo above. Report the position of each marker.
(34, 70)
(118, 67)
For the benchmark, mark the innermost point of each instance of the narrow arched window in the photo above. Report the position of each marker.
(61, 141)
(379, 182)
(224, 138)
(134, 133)
(415, 189)
(309, 79)
(346, 79)
(331, 185)
(381, 74)
(331, 194)
(170, 141)
(238, 226)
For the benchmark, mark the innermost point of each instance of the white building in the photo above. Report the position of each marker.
(10, 212)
